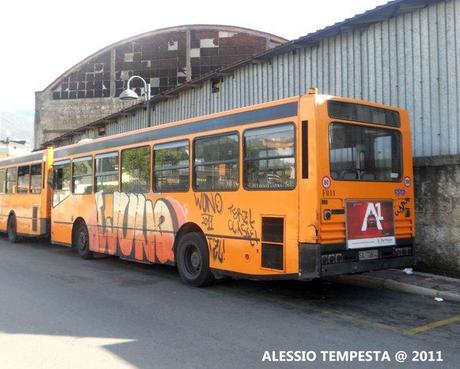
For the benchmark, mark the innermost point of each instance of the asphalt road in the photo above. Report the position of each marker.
(59, 311)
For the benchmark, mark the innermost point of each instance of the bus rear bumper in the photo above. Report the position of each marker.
(316, 261)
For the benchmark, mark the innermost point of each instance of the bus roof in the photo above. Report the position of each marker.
(230, 118)
(34, 156)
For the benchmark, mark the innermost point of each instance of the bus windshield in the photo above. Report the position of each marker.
(361, 153)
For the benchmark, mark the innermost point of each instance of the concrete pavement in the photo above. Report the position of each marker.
(59, 311)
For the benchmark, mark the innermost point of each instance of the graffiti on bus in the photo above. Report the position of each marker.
(210, 205)
(242, 223)
(217, 248)
(134, 227)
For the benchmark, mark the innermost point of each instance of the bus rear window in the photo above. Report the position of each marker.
(363, 113)
(359, 153)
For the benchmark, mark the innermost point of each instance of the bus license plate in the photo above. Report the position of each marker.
(368, 254)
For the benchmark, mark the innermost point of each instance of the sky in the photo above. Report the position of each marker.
(42, 39)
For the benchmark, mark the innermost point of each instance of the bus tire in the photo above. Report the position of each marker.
(192, 258)
(12, 229)
(81, 240)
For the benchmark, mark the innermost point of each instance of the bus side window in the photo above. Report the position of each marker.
(23, 179)
(135, 170)
(107, 172)
(269, 157)
(36, 178)
(216, 163)
(61, 182)
(82, 180)
(11, 179)
(2, 180)
(171, 167)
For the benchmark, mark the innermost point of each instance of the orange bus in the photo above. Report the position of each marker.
(24, 196)
(303, 187)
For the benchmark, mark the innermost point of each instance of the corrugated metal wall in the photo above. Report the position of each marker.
(411, 60)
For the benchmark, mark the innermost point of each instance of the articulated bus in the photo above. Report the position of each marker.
(303, 188)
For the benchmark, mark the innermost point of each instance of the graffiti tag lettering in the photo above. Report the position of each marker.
(134, 227)
(241, 223)
(209, 204)
(402, 206)
(207, 220)
(217, 248)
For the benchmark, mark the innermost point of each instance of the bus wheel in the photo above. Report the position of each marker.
(12, 229)
(193, 260)
(81, 240)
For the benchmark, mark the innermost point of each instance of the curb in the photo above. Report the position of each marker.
(441, 277)
(389, 284)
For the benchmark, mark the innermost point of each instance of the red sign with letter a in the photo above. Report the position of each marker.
(370, 224)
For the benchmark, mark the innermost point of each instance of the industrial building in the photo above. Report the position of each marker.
(404, 53)
(14, 147)
(165, 58)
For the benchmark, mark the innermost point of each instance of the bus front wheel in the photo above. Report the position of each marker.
(193, 260)
(12, 229)
(81, 240)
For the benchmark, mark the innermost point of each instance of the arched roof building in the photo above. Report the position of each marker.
(165, 58)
